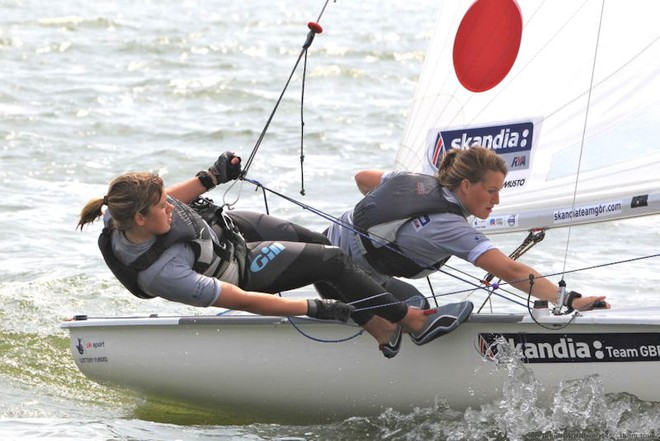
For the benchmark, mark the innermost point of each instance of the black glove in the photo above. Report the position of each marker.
(223, 170)
(329, 309)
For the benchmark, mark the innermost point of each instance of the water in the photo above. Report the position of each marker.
(92, 89)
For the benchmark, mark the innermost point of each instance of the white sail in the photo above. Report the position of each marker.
(577, 117)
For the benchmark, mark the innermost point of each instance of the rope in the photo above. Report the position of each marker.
(314, 28)
(340, 340)
(321, 340)
(584, 131)
(554, 327)
(302, 129)
(475, 285)
(350, 227)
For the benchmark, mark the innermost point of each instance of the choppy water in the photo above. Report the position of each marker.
(92, 89)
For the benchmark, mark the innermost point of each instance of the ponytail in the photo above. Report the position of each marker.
(91, 211)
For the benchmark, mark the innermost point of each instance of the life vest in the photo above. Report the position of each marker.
(189, 225)
(384, 210)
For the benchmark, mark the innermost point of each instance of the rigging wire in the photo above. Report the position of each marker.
(314, 28)
(584, 131)
(474, 285)
(535, 236)
(339, 222)
(491, 288)
(302, 129)
(477, 285)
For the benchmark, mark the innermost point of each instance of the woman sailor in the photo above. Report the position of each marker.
(158, 246)
(422, 220)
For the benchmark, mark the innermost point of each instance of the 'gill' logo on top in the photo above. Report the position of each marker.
(267, 255)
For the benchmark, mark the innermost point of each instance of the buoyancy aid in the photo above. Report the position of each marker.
(188, 225)
(382, 212)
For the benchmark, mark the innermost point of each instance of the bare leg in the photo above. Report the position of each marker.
(414, 320)
(382, 330)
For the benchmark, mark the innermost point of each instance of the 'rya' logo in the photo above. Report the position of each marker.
(267, 254)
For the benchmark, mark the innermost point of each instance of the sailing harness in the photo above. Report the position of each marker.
(189, 224)
(384, 210)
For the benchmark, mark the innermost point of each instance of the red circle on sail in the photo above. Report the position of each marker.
(487, 43)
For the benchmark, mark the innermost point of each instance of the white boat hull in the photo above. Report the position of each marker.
(262, 368)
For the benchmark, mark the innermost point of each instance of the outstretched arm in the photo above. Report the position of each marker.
(186, 191)
(517, 274)
(233, 297)
(225, 168)
(367, 180)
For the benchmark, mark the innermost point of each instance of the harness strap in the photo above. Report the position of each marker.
(232, 244)
(386, 208)
(127, 275)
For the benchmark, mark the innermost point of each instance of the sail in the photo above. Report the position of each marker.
(576, 113)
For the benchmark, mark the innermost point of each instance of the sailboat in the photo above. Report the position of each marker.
(569, 95)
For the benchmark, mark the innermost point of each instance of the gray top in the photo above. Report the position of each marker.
(431, 237)
(171, 276)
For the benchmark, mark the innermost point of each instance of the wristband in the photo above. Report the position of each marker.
(205, 179)
(312, 308)
(569, 299)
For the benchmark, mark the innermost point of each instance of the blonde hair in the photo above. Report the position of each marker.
(471, 164)
(128, 194)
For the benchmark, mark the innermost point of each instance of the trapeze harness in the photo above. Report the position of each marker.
(211, 258)
(384, 210)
